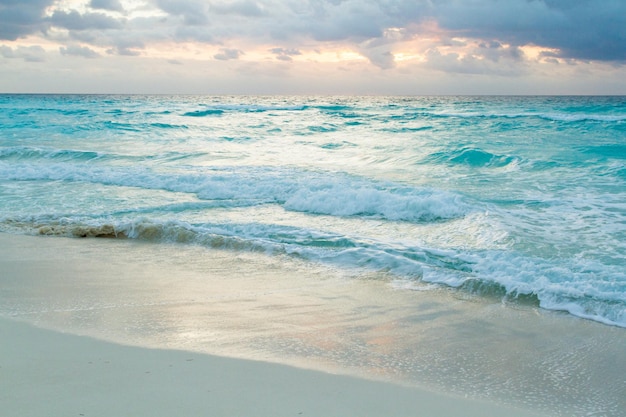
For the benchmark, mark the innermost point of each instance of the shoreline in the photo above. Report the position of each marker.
(130, 300)
(50, 373)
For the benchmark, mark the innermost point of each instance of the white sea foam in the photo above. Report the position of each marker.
(553, 116)
(294, 190)
(218, 109)
(584, 288)
(573, 285)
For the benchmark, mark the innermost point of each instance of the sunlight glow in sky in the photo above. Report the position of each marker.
(313, 46)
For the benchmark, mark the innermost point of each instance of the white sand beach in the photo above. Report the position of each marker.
(47, 373)
(100, 327)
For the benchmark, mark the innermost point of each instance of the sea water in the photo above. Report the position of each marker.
(522, 198)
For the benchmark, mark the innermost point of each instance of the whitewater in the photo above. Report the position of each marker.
(522, 198)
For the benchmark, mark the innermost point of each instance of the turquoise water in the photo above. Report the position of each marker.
(516, 197)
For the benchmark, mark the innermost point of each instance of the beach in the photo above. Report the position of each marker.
(109, 327)
(54, 374)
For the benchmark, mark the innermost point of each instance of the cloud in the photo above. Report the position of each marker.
(493, 59)
(582, 29)
(76, 21)
(111, 5)
(460, 38)
(333, 21)
(126, 46)
(193, 12)
(122, 51)
(194, 34)
(76, 50)
(241, 7)
(228, 54)
(495, 51)
(19, 18)
(382, 59)
(283, 54)
(33, 53)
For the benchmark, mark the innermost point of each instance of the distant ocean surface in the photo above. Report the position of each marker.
(516, 197)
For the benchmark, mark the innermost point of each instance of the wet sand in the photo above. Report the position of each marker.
(47, 373)
(111, 327)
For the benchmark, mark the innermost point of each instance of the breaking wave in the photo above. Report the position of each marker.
(294, 190)
(473, 157)
(559, 286)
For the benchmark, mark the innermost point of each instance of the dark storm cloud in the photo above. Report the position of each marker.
(20, 18)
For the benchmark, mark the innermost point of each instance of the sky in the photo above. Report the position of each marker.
(377, 47)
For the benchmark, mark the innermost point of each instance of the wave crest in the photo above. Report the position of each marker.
(31, 153)
(474, 157)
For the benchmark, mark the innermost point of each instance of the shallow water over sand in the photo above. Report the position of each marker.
(280, 309)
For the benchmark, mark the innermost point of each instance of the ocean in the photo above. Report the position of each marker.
(524, 197)
(515, 199)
